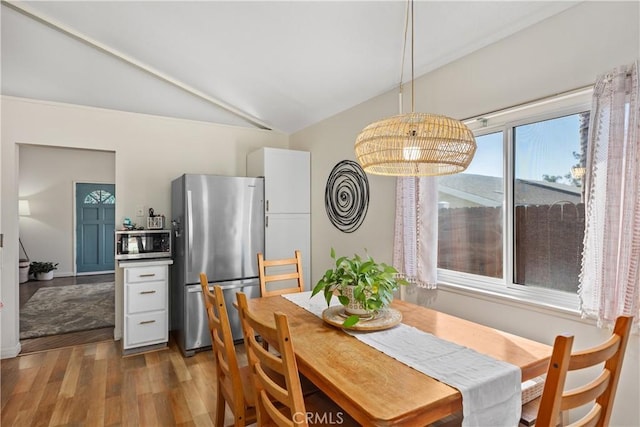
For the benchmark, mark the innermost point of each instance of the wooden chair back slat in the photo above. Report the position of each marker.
(601, 353)
(265, 266)
(587, 393)
(600, 391)
(279, 262)
(280, 277)
(591, 419)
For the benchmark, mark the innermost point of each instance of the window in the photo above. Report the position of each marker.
(99, 196)
(513, 222)
(470, 213)
(548, 203)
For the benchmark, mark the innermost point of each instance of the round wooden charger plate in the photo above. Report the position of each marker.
(384, 319)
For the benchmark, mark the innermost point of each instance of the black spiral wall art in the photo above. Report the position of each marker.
(346, 197)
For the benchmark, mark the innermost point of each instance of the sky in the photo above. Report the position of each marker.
(545, 147)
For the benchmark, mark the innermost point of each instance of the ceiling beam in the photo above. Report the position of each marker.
(70, 32)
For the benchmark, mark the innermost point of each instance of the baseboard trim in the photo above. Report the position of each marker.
(10, 353)
(93, 273)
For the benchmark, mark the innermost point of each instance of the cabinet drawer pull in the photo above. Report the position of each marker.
(147, 275)
(144, 322)
(147, 292)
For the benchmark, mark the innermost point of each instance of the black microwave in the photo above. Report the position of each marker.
(141, 244)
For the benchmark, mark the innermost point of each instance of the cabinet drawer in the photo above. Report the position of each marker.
(146, 328)
(145, 296)
(145, 274)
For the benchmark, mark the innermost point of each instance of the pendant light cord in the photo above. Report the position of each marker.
(412, 77)
(408, 10)
(404, 51)
(414, 144)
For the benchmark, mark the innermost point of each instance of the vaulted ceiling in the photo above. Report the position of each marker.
(280, 65)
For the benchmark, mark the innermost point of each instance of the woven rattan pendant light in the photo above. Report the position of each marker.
(415, 144)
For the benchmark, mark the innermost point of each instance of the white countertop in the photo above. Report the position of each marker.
(144, 262)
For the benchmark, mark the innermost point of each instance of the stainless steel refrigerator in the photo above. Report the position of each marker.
(218, 224)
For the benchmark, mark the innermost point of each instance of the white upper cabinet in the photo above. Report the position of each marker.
(287, 179)
(287, 195)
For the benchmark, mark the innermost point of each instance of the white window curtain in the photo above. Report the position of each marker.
(610, 277)
(415, 246)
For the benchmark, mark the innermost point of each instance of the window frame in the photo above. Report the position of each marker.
(505, 121)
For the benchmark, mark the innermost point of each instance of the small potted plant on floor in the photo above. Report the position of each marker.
(363, 286)
(42, 270)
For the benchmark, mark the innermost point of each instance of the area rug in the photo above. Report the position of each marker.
(61, 309)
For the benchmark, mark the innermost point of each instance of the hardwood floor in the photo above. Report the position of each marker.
(29, 288)
(33, 345)
(93, 384)
(82, 379)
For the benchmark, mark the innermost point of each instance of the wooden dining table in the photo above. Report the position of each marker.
(378, 390)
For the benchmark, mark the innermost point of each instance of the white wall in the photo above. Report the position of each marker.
(562, 53)
(150, 151)
(46, 178)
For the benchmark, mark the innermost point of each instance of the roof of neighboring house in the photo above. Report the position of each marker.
(482, 190)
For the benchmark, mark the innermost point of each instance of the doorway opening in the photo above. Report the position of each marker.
(72, 211)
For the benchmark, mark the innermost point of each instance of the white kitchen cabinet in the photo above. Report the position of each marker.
(287, 173)
(287, 188)
(146, 304)
(284, 233)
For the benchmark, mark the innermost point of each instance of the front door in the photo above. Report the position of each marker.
(95, 222)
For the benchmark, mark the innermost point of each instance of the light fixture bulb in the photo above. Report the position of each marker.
(411, 153)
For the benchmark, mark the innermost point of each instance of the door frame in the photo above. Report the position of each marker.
(75, 233)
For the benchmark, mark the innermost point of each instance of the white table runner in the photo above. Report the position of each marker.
(490, 388)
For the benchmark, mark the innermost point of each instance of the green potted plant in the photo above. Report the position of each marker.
(42, 270)
(362, 285)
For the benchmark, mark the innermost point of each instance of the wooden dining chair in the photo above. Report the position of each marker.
(600, 392)
(279, 404)
(266, 280)
(235, 383)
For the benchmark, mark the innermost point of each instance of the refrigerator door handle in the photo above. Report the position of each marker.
(190, 229)
(194, 289)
